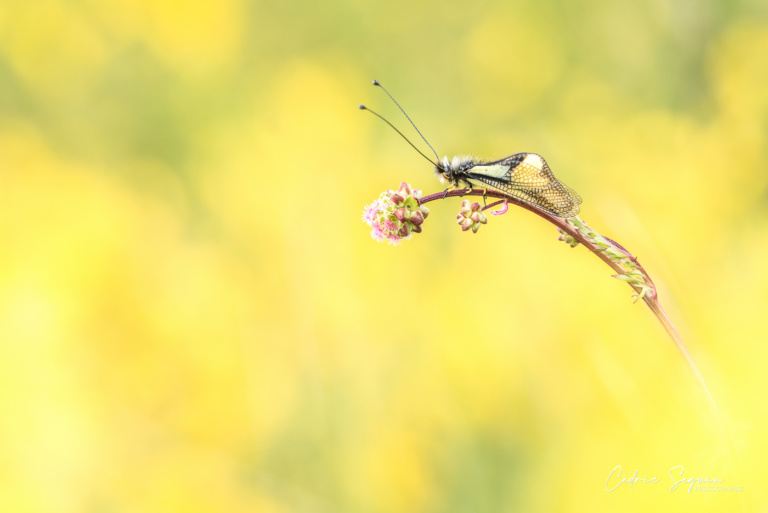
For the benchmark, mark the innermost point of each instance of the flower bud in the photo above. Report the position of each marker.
(470, 216)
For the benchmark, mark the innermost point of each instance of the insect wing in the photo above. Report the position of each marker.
(530, 180)
(551, 200)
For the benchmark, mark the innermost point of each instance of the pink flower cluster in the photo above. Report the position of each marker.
(395, 215)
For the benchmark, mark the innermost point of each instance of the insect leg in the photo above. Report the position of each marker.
(454, 185)
(468, 189)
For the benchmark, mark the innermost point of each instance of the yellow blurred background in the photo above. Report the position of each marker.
(194, 318)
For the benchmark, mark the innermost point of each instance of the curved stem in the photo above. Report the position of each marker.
(557, 221)
(650, 297)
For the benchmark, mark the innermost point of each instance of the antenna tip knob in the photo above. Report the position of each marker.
(361, 107)
(376, 82)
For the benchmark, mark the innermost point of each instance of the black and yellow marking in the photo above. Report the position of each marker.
(525, 176)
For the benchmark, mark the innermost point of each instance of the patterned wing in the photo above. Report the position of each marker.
(530, 180)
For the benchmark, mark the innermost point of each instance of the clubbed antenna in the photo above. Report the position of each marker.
(376, 83)
(363, 107)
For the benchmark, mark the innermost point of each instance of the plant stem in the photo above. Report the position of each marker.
(557, 221)
(647, 292)
(650, 297)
